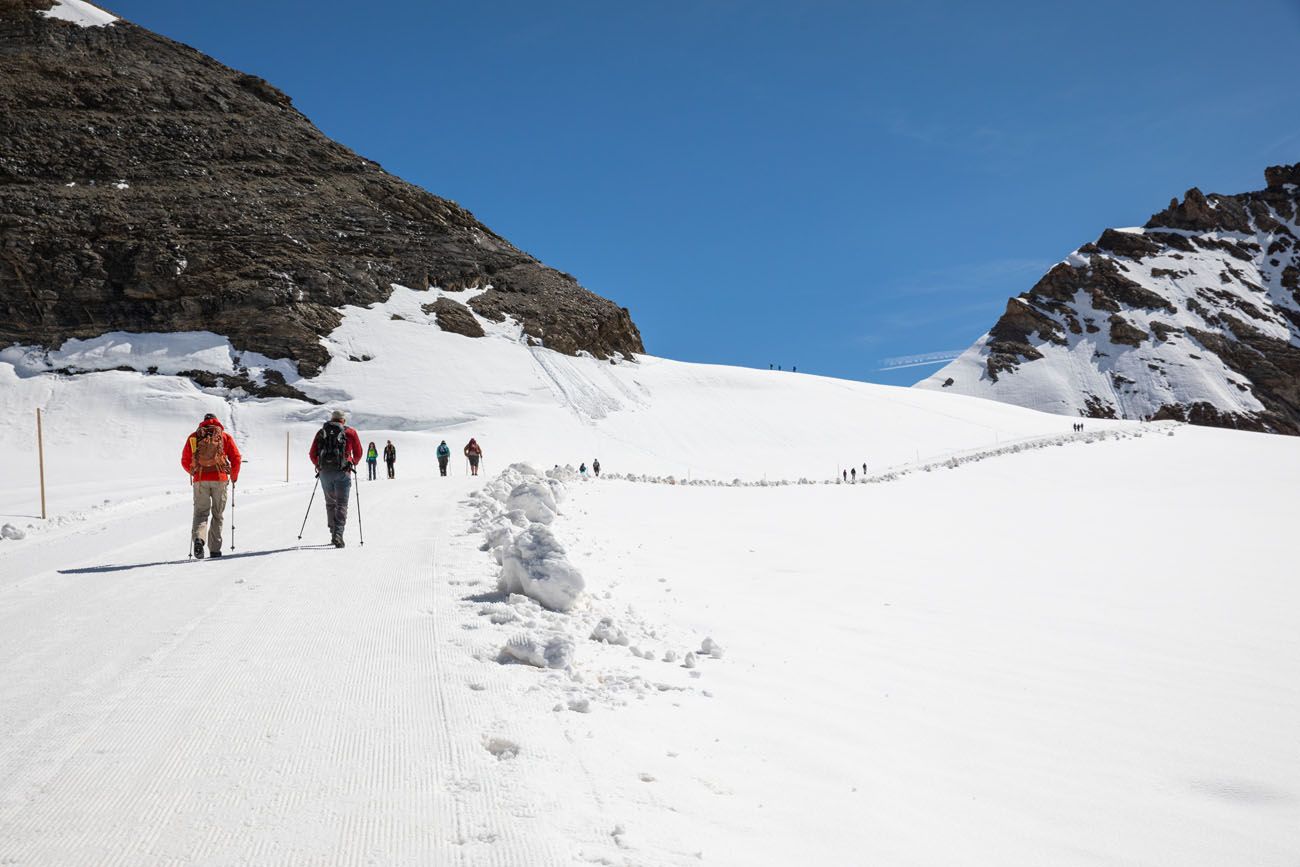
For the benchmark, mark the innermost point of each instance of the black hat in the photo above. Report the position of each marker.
(209, 417)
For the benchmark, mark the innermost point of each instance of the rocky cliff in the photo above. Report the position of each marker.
(146, 187)
(1194, 316)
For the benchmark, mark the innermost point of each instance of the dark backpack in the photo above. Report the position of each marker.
(332, 446)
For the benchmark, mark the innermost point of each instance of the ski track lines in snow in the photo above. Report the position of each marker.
(297, 707)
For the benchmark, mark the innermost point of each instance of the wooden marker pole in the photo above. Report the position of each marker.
(286, 456)
(40, 451)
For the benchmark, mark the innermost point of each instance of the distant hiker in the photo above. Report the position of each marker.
(444, 455)
(794, 369)
(474, 452)
(390, 458)
(582, 469)
(854, 473)
(335, 450)
(864, 469)
(846, 475)
(595, 467)
(372, 459)
(212, 459)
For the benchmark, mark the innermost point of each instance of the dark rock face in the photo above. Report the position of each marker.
(454, 317)
(1206, 295)
(146, 187)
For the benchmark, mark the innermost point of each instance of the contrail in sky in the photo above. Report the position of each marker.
(921, 360)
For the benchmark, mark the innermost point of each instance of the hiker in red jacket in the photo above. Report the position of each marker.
(335, 451)
(212, 459)
(474, 452)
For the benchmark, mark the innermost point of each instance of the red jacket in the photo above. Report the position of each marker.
(354, 446)
(232, 455)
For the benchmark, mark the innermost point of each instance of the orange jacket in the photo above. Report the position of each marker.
(232, 455)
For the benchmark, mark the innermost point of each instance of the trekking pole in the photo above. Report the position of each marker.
(360, 531)
(189, 549)
(309, 502)
(233, 486)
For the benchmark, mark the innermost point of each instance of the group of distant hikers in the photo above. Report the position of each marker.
(851, 474)
(212, 460)
(390, 458)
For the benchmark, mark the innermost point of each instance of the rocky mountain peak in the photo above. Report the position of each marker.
(1279, 176)
(1194, 316)
(147, 187)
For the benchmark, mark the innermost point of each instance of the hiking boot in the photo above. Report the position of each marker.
(337, 540)
(198, 549)
(215, 554)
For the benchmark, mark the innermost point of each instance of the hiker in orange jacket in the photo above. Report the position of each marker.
(212, 460)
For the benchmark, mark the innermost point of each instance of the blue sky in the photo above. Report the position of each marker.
(821, 184)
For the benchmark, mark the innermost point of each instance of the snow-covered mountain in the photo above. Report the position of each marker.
(1195, 316)
(145, 187)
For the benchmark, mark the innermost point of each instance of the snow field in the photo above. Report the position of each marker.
(1068, 656)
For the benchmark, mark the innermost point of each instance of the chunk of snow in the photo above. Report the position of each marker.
(535, 565)
(503, 748)
(709, 647)
(555, 651)
(609, 632)
(535, 500)
(9, 531)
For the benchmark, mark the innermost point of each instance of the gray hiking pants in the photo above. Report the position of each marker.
(209, 501)
(336, 485)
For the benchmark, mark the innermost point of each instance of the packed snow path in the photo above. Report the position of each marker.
(278, 706)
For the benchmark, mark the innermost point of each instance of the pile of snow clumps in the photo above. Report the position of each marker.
(515, 511)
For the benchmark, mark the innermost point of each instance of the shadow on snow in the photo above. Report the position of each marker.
(91, 570)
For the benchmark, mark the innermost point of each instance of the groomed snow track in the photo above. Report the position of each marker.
(285, 705)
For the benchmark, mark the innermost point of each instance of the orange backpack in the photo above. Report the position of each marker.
(209, 447)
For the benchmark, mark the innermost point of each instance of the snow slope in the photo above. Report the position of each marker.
(401, 377)
(1017, 646)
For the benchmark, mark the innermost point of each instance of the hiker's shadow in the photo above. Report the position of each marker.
(115, 567)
